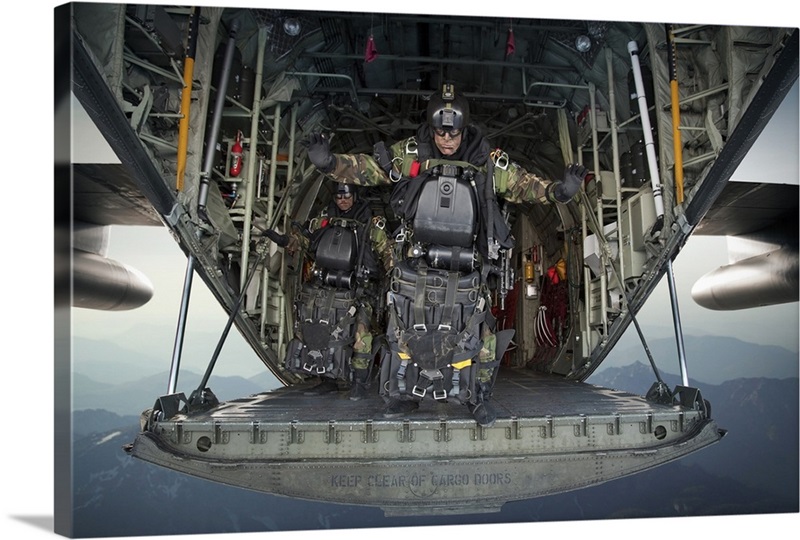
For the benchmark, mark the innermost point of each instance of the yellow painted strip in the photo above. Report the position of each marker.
(183, 126)
(462, 364)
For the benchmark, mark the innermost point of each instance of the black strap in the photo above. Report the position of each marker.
(329, 309)
(419, 295)
(448, 310)
(381, 155)
(489, 194)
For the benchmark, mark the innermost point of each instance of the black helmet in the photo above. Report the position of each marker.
(344, 189)
(447, 111)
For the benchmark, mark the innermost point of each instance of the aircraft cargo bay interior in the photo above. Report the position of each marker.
(610, 144)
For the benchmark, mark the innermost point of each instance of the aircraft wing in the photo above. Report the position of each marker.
(100, 195)
(761, 223)
(745, 208)
(104, 195)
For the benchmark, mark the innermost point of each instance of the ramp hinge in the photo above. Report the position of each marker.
(220, 436)
(370, 435)
(295, 435)
(442, 434)
(480, 433)
(614, 427)
(406, 435)
(331, 436)
(548, 430)
(256, 435)
(646, 426)
(513, 432)
(581, 427)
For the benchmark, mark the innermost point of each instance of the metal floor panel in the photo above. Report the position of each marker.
(551, 436)
(518, 393)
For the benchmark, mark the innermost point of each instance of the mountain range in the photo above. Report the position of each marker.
(710, 359)
(120, 379)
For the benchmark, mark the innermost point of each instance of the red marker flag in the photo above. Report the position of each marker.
(371, 52)
(510, 45)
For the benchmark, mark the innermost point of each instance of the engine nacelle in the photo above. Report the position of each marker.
(106, 284)
(764, 280)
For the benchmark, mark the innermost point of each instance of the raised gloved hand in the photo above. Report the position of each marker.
(319, 152)
(281, 240)
(574, 176)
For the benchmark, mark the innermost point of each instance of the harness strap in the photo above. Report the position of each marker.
(329, 309)
(419, 296)
(431, 163)
(348, 318)
(439, 392)
(468, 334)
(448, 310)
(463, 358)
(336, 343)
(309, 304)
(500, 161)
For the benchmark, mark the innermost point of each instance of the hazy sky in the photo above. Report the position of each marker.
(28, 264)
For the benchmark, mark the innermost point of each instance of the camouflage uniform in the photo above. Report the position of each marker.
(363, 170)
(517, 186)
(380, 246)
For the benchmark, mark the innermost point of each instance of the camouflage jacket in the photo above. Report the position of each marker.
(513, 183)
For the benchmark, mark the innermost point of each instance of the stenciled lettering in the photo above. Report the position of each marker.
(345, 480)
(492, 479)
(395, 481)
(419, 480)
(445, 480)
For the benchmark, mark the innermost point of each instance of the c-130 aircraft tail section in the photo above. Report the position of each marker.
(604, 94)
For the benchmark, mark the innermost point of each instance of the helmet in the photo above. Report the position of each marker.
(345, 189)
(447, 111)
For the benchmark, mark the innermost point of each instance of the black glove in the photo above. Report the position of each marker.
(281, 240)
(319, 152)
(574, 176)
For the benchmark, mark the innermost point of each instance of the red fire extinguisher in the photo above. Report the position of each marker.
(236, 155)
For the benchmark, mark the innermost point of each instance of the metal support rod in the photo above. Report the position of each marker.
(234, 312)
(353, 94)
(612, 119)
(273, 164)
(202, 197)
(677, 147)
(599, 231)
(216, 119)
(177, 347)
(186, 97)
(273, 171)
(527, 89)
(282, 326)
(252, 156)
(587, 278)
(633, 49)
(150, 67)
(676, 318)
(264, 303)
(599, 212)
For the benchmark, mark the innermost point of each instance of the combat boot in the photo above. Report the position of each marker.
(358, 390)
(481, 410)
(400, 407)
(326, 386)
